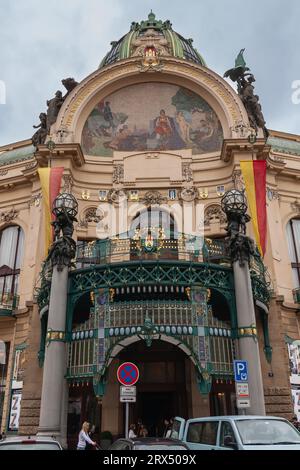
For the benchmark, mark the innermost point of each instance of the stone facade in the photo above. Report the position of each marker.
(145, 172)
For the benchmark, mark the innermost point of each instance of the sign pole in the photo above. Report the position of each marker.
(127, 420)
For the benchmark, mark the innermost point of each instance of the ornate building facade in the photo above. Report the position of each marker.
(149, 143)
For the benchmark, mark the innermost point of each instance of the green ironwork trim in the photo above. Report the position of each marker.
(148, 272)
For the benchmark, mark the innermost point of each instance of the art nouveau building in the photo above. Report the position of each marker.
(152, 128)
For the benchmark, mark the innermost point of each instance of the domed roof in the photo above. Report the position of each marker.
(152, 33)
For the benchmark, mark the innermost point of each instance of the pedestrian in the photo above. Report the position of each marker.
(143, 431)
(169, 429)
(132, 434)
(139, 426)
(166, 427)
(84, 438)
(295, 422)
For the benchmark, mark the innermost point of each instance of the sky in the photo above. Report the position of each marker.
(43, 42)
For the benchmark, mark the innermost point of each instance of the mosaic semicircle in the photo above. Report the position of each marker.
(151, 117)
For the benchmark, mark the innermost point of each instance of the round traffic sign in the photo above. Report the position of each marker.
(128, 374)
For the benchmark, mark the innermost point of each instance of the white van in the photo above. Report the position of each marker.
(237, 433)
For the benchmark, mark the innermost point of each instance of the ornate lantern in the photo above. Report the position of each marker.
(65, 204)
(234, 203)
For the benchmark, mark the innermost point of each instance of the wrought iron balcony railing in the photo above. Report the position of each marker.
(8, 302)
(181, 248)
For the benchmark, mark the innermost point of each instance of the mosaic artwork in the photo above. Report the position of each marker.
(152, 116)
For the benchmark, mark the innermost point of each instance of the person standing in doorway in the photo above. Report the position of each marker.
(84, 438)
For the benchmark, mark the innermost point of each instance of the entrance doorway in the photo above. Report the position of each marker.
(161, 389)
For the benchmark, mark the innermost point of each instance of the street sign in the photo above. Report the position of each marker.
(241, 371)
(127, 392)
(128, 374)
(242, 390)
(243, 403)
(127, 399)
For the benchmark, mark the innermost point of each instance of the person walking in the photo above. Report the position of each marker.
(132, 434)
(84, 438)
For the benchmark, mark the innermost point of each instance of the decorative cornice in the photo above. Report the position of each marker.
(232, 146)
(71, 151)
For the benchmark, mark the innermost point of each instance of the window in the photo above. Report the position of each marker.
(203, 432)
(293, 236)
(11, 253)
(4, 349)
(226, 431)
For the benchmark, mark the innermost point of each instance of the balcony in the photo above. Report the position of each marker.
(296, 294)
(182, 248)
(8, 303)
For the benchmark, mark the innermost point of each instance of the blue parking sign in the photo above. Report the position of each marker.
(241, 371)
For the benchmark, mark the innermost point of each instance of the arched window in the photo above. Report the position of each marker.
(11, 254)
(152, 219)
(293, 236)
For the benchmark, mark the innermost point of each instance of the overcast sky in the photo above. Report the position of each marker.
(43, 42)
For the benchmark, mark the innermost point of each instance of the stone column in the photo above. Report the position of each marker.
(55, 356)
(61, 253)
(248, 343)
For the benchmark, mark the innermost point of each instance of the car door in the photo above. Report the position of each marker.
(227, 437)
(202, 434)
(178, 428)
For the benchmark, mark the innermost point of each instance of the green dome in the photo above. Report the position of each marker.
(174, 43)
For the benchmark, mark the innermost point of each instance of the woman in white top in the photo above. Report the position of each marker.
(84, 437)
(132, 434)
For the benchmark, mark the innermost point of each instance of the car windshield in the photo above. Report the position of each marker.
(159, 447)
(29, 446)
(267, 432)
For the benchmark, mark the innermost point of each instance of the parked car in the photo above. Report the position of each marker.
(148, 443)
(237, 433)
(29, 443)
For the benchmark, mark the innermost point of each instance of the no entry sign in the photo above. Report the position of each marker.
(128, 374)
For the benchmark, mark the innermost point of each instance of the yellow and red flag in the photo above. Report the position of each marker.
(50, 179)
(255, 174)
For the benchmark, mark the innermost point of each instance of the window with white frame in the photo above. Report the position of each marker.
(11, 254)
(293, 236)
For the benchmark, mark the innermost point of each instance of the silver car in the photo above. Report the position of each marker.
(237, 433)
(29, 443)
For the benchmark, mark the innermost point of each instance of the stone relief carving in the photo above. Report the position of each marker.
(187, 172)
(237, 179)
(8, 216)
(188, 194)
(116, 196)
(35, 200)
(91, 215)
(67, 183)
(152, 198)
(296, 206)
(214, 214)
(118, 174)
